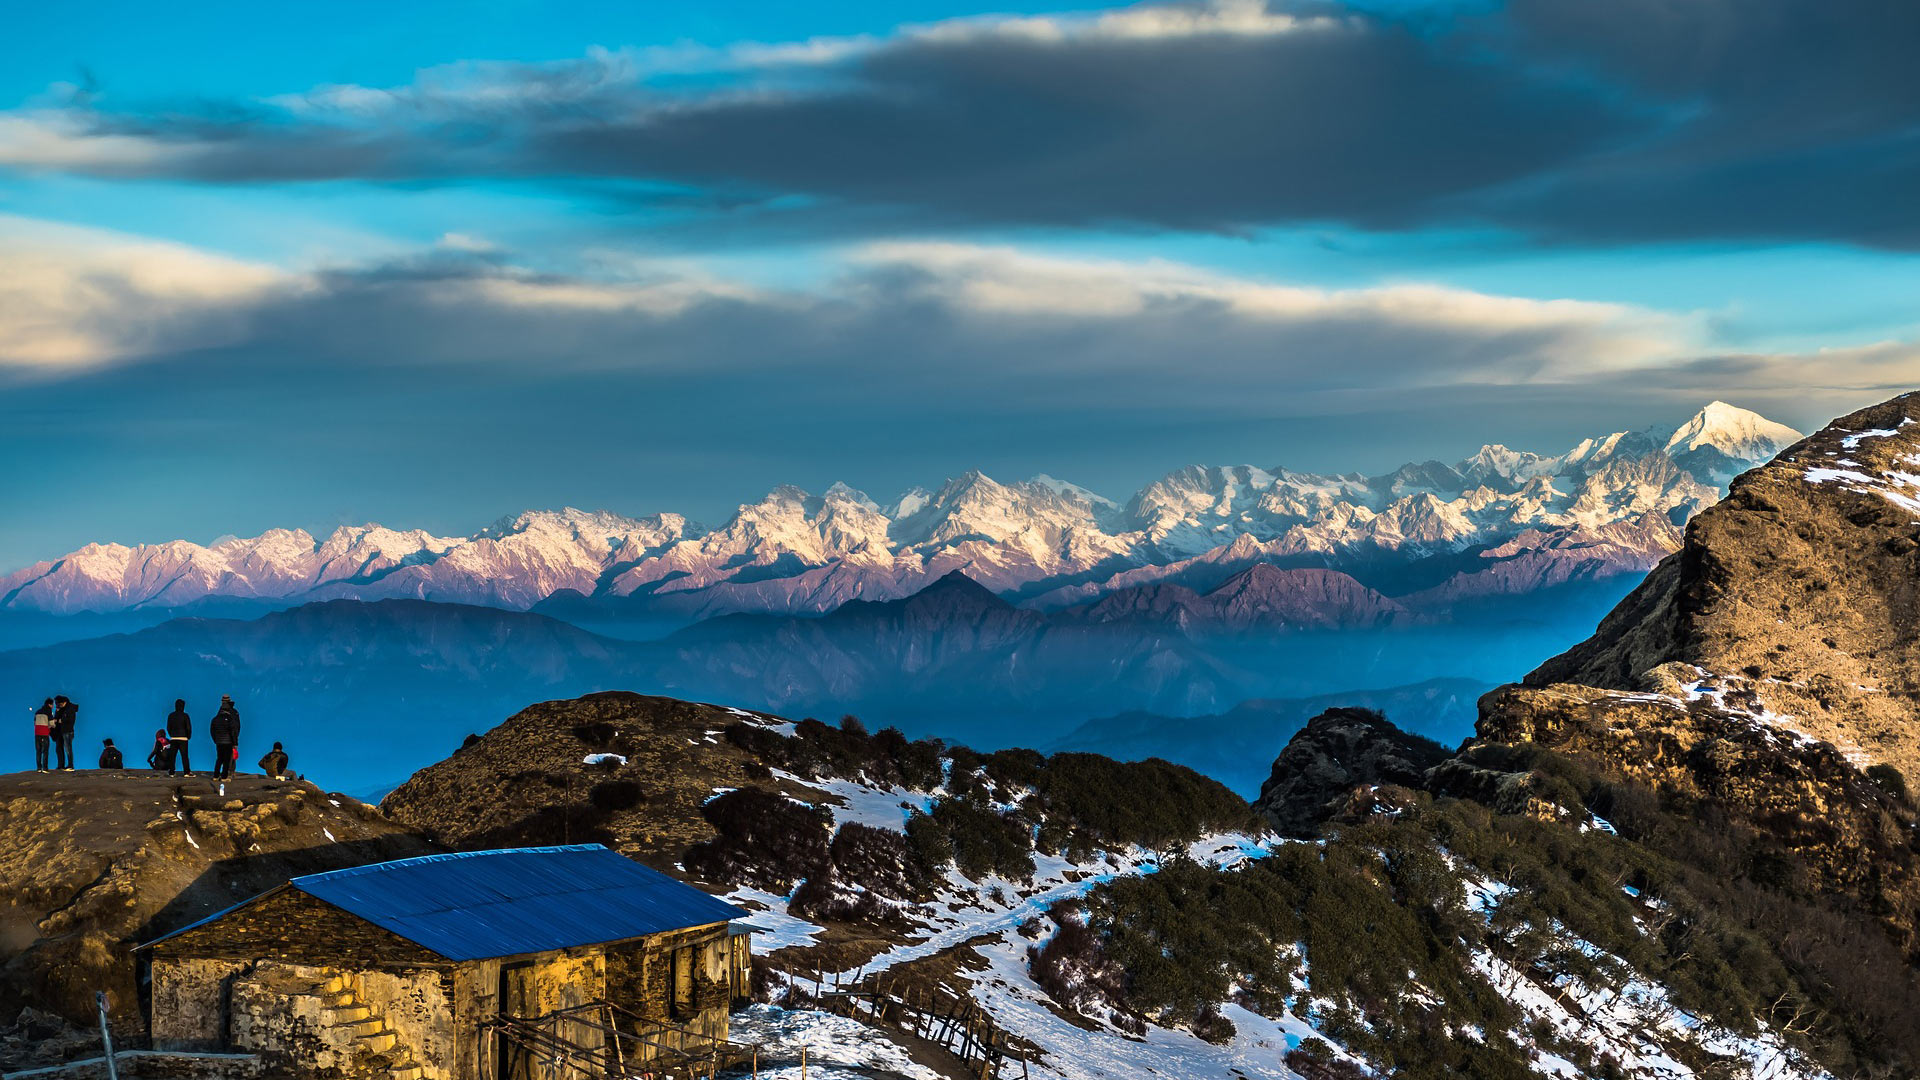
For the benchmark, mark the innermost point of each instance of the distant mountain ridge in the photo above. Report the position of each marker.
(365, 691)
(1499, 521)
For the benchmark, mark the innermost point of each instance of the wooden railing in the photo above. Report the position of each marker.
(632, 1047)
(928, 1011)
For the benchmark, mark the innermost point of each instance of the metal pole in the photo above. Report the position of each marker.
(106, 1036)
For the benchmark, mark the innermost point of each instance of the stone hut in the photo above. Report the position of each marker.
(413, 968)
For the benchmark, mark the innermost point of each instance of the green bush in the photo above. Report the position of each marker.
(764, 839)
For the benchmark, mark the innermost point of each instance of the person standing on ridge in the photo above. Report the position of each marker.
(42, 735)
(66, 717)
(275, 763)
(179, 732)
(110, 755)
(225, 730)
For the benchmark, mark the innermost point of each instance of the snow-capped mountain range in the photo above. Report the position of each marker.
(1500, 521)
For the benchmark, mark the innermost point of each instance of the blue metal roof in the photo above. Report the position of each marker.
(479, 905)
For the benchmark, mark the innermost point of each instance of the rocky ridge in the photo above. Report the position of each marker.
(98, 861)
(1800, 589)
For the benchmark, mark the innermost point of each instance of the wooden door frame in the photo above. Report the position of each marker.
(511, 1058)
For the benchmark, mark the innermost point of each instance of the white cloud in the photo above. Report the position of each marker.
(60, 140)
(663, 298)
(1148, 22)
(1552, 339)
(73, 298)
(500, 86)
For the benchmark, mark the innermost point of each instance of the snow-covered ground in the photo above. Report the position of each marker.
(1019, 1006)
(882, 808)
(968, 909)
(829, 1040)
(990, 913)
(1629, 1022)
(1633, 1022)
(778, 929)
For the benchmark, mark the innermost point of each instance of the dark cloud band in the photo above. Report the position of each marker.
(1565, 119)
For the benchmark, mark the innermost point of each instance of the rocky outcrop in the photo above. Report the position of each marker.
(626, 770)
(1800, 815)
(1341, 750)
(96, 862)
(1801, 588)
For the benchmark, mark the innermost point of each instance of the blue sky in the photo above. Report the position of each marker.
(431, 263)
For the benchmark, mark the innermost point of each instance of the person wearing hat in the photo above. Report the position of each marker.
(225, 729)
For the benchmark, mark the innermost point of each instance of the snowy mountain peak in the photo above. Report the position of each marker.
(1074, 491)
(574, 522)
(911, 503)
(1495, 461)
(792, 551)
(842, 493)
(1736, 432)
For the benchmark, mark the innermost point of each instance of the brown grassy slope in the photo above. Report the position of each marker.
(97, 861)
(527, 781)
(1808, 593)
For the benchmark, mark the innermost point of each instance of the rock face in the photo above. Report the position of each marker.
(1340, 750)
(1802, 588)
(97, 861)
(1802, 815)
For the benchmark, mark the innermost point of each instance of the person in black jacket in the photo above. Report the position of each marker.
(225, 730)
(66, 717)
(159, 759)
(110, 755)
(179, 732)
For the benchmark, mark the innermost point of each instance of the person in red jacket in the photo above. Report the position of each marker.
(160, 757)
(42, 735)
